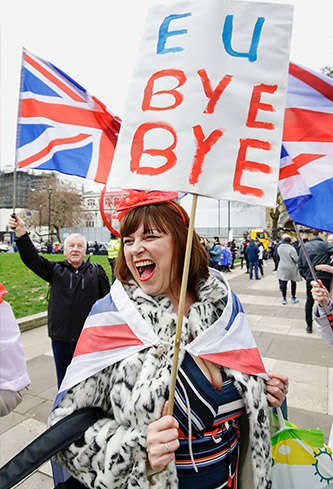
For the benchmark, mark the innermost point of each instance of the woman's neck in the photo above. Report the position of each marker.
(189, 300)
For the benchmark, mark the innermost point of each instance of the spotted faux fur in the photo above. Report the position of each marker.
(112, 453)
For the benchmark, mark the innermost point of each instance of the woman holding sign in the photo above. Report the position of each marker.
(218, 435)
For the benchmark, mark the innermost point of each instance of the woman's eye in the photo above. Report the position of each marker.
(127, 242)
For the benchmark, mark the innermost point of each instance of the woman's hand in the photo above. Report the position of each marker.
(320, 293)
(277, 388)
(162, 441)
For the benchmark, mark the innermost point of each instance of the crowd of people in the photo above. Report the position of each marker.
(218, 431)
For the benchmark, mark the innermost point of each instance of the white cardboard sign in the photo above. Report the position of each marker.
(205, 107)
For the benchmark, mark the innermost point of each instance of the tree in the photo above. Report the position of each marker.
(65, 209)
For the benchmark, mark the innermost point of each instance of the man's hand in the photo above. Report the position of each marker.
(16, 224)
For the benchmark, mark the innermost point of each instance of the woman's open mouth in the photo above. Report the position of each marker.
(146, 269)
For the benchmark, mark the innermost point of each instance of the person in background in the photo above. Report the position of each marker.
(319, 252)
(14, 378)
(260, 255)
(205, 245)
(288, 269)
(330, 241)
(233, 250)
(324, 300)
(113, 250)
(225, 259)
(252, 252)
(305, 237)
(219, 431)
(276, 245)
(296, 245)
(243, 255)
(75, 285)
(96, 248)
(215, 253)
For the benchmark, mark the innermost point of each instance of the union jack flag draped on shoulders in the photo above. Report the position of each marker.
(61, 126)
(306, 172)
(115, 330)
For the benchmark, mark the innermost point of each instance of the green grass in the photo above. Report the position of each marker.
(26, 292)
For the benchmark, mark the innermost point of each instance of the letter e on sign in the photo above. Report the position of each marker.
(245, 165)
(256, 105)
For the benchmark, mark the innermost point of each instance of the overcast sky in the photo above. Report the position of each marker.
(96, 44)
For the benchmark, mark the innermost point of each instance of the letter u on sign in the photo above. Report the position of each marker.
(227, 34)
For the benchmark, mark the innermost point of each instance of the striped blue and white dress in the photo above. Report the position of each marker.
(213, 436)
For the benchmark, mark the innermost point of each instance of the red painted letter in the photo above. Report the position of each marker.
(213, 96)
(137, 150)
(242, 164)
(148, 93)
(256, 105)
(203, 147)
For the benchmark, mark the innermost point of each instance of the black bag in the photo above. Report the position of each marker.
(60, 435)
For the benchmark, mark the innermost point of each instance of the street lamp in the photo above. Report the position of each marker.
(50, 193)
(40, 219)
(228, 220)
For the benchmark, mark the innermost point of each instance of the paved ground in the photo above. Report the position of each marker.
(280, 334)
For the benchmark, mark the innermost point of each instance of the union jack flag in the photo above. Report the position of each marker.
(61, 126)
(306, 170)
(115, 330)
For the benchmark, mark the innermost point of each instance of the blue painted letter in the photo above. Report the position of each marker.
(164, 33)
(227, 33)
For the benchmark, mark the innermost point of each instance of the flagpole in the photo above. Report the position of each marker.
(307, 257)
(18, 130)
(181, 306)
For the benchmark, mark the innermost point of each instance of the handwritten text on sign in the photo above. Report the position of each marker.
(205, 107)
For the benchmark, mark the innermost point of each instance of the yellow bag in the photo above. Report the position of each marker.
(300, 458)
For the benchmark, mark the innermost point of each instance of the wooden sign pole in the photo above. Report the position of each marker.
(181, 306)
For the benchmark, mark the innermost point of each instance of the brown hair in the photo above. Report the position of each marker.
(167, 219)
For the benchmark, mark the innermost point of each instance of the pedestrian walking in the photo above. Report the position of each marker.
(319, 252)
(225, 259)
(252, 252)
(260, 255)
(288, 269)
(275, 247)
(243, 255)
(233, 249)
(75, 285)
(215, 253)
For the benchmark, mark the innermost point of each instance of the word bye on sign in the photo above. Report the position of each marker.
(205, 107)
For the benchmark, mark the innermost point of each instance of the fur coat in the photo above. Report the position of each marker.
(132, 392)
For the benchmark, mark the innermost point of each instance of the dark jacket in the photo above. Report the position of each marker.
(319, 252)
(252, 252)
(72, 291)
